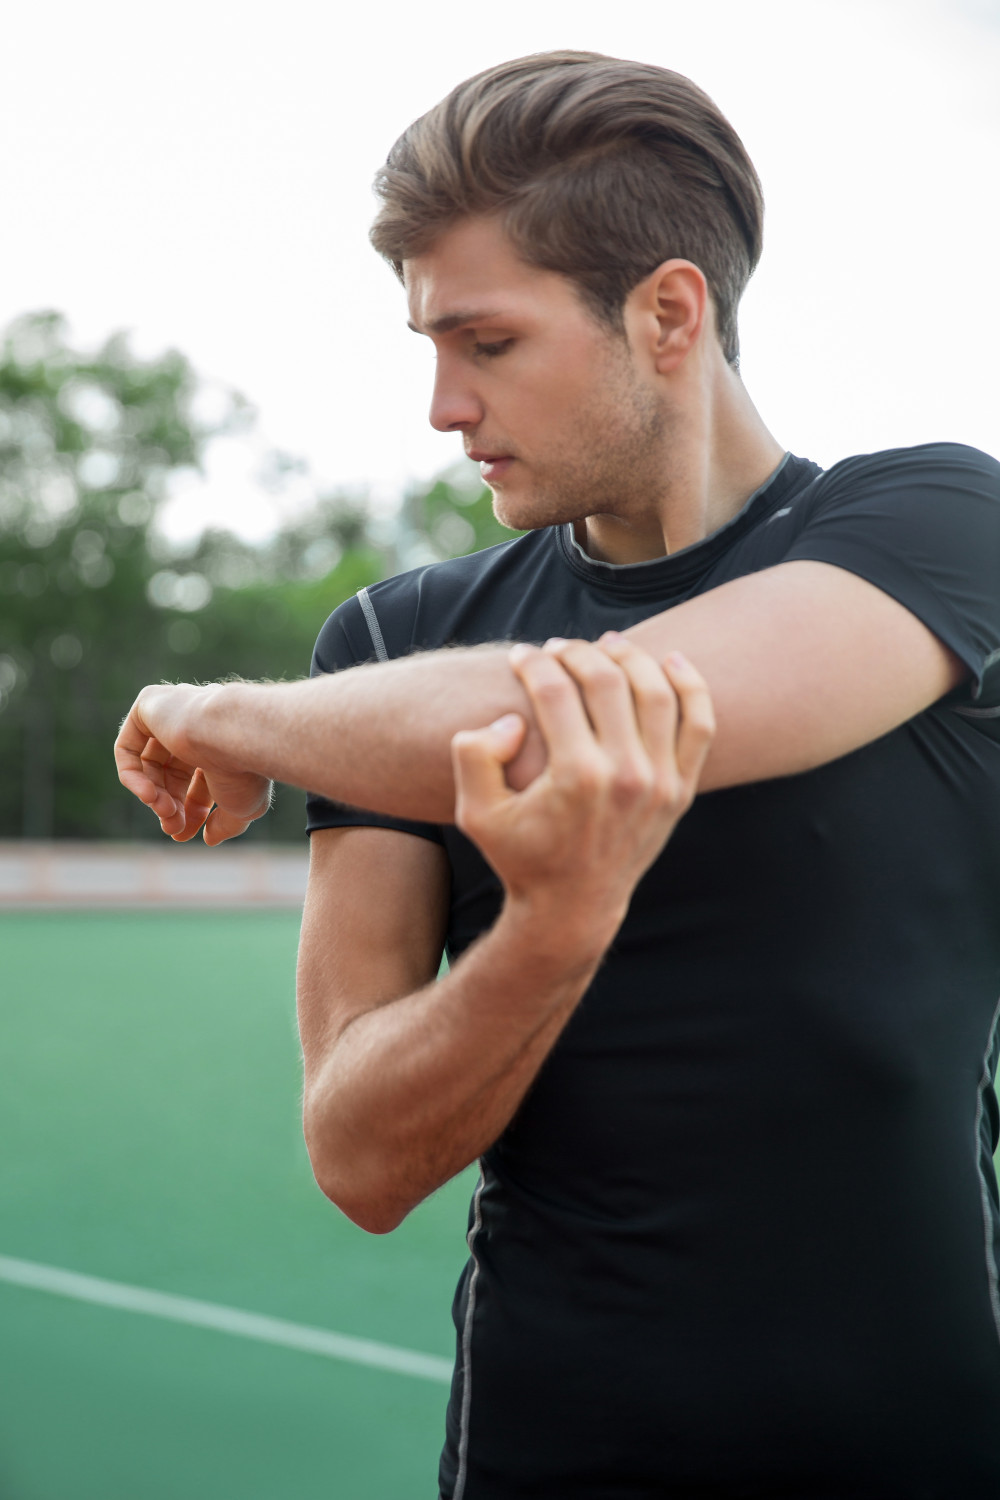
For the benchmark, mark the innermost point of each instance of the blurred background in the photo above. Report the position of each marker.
(99, 595)
(212, 415)
(212, 431)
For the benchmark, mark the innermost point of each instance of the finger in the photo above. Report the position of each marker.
(607, 695)
(177, 777)
(221, 825)
(142, 777)
(653, 696)
(157, 798)
(241, 800)
(557, 705)
(478, 758)
(161, 800)
(174, 824)
(168, 807)
(198, 804)
(697, 717)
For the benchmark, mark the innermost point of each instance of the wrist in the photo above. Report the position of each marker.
(208, 717)
(556, 941)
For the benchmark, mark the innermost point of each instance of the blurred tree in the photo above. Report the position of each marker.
(94, 603)
(451, 517)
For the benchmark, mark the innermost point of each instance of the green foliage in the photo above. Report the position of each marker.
(92, 602)
(449, 519)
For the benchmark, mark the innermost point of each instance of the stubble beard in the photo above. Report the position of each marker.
(614, 463)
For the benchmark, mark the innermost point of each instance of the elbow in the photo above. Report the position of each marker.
(359, 1188)
(374, 1220)
(365, 1209)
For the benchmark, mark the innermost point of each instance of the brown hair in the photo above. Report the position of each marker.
(600, 169)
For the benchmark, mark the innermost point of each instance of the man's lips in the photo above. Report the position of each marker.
(492, 465)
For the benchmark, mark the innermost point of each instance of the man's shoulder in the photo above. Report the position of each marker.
(935, 463)
(460, 600)
(916, 489)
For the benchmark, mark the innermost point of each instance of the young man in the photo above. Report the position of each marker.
(736, 1229)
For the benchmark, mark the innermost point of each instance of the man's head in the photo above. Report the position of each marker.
(596, 168)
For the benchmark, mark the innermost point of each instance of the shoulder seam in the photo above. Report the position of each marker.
(374, 628)
(992, 1279)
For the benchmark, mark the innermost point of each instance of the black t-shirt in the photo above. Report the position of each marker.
(741, 1237)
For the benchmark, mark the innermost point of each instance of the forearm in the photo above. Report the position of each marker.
(379, 737)
(411, 1092)
(375, 737)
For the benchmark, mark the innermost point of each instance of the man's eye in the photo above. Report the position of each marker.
(490, 351)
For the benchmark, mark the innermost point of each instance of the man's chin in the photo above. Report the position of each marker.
(519, 518)
(526, 512)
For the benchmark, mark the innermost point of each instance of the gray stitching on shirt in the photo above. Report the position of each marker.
(979, 713)
(374, 628)
(983, 713)
(992, 1279)
(470, 1312)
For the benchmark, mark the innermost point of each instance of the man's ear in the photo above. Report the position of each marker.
(667, 313)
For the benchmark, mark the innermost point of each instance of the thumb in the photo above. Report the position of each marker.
(478, 759)
(221, 825)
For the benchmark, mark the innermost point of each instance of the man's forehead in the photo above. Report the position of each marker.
(446, 322)
(470, 274)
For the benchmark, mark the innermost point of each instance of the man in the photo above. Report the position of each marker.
(736, 1229)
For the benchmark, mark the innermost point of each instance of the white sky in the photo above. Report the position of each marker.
(200, 173)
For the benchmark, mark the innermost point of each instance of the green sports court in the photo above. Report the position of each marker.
(150, 1121)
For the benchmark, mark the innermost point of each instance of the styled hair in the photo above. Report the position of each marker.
(597, 168)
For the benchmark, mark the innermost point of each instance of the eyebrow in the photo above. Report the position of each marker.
(454, 320)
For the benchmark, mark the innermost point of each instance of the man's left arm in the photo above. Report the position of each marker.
(883, 598)
(810, 662)
(804, 661)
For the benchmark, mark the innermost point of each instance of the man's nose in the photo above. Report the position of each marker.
(454, 404)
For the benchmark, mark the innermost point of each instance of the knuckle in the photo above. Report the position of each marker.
(673, 794)
(586, 777)
(532, 669)
(591, 665)
(632, 781)
(702, 725)
(604, 675)
(550, 689)
(656, 691)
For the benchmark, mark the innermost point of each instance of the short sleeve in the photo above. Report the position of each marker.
(923, 525)
(346, 641)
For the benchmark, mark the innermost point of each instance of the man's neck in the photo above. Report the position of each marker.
(720, 453)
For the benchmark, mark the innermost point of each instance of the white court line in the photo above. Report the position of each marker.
(140, 1299)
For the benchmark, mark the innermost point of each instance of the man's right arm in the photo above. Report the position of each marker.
(407, 1080)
